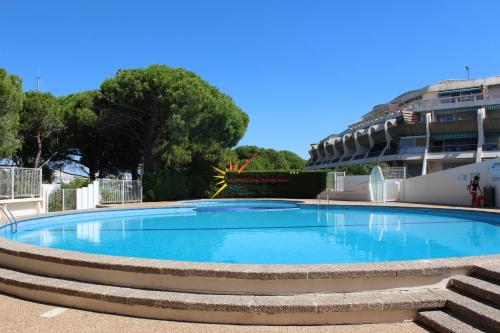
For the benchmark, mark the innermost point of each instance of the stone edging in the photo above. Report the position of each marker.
(246, 271)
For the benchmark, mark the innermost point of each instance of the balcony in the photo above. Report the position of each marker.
(452, 148)
(359, 156)
(452, 102)
(375, 153)
(457, 126)
(391, 151)
(412, 150)
(491, 147)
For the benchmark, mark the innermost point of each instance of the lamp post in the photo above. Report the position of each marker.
(467, 69)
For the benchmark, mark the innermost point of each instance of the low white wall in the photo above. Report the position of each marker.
(450, 186)
(23, 207)
(88, 197)
(356, 183)
(355, 189)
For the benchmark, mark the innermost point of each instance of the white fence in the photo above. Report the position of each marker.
(103, 191)
(20, 183)
(335, 181)
(62, 199)
(394, 173)
(387, 184)
(120, 191)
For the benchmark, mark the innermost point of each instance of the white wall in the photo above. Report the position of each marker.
(450, 186)
(88, 197)
(355, 188)
(355, 183)
(22, 207)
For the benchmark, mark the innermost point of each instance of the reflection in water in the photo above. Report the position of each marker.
(90, 232)
(306, 235)
(46, 238)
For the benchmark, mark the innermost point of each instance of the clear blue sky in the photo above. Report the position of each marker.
(301, 69)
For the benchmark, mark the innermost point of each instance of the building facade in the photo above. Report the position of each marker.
(441, 126)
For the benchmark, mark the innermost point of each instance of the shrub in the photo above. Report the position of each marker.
(275, 184)
(362, 169)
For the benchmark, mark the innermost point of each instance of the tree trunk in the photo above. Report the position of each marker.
(92, 171)
(38, 150)
(148, 158)
(135, 174)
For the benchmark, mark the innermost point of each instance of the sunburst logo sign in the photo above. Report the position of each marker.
(221, 174)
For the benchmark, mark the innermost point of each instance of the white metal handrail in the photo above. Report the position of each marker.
(11, 219)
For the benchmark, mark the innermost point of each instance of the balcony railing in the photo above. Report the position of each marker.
(359, 156)
(392, 151)
(412, 150)
(454, 99)
(452, 148)
(375, 153)
(346, 158)
(491, 147)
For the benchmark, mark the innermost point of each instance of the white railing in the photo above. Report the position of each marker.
(11, 219)
(120, 191)
(339, 181)
(20, 183)
(394, 173)
(455, 99)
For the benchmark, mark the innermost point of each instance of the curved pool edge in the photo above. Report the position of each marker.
(220, 278)
(263, 294)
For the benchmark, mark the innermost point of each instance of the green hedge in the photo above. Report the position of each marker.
(275, 184)
(173, 185)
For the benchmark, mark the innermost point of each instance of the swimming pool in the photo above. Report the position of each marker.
(268, 232)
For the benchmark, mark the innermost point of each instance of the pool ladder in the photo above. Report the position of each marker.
(11, 220)
(319, 200)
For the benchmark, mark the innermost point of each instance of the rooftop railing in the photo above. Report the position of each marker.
(455, 99)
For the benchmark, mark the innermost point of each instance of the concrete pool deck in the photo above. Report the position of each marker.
(322, 202)
(234, 293)
(18, 315)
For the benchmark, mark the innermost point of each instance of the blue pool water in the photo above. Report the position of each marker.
(268, 232)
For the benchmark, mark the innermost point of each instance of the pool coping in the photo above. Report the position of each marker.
(407, 268)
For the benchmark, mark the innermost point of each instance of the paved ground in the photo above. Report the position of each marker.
(22, 316)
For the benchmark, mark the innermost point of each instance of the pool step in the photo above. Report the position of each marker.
(443, 322)
(472, 303)
(474, 311)
(302, 309)
(489, 271)
(476, 288)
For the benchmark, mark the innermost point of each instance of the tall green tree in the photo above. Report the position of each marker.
(89, 144)
(40, 124)
(172, 117)
(270, 159)
(11, 96)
